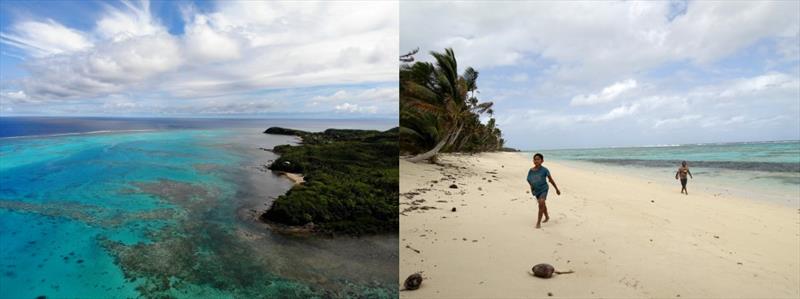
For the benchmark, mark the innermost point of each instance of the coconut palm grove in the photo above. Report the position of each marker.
(440, 111)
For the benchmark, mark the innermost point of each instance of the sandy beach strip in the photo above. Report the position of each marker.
(296, 178)
(623, 236)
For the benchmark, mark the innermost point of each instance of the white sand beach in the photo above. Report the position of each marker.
(623, 236)
(296, 178)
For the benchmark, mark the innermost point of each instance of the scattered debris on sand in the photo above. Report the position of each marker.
(413, 282)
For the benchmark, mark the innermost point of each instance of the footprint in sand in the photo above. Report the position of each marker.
(630, 282)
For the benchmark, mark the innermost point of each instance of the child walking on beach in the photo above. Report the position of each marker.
(682, 172)
(539, 188)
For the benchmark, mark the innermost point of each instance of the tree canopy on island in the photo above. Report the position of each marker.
(439, 110)
(351, 181)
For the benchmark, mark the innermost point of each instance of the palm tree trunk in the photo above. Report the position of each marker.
(460, 145)
(454, 137)
(429, 154)
(447, 141)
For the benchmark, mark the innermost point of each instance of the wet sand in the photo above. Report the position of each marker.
(623, 236)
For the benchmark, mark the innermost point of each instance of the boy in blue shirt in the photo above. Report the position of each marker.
(536, 178)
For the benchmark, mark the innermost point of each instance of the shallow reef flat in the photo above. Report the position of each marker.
(155, 215)
(91, 215)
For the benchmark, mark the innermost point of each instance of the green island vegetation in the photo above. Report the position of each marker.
(508, 149)
(351, 181)
(439, 110)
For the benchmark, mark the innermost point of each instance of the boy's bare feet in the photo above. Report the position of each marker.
(546, 219)
(538, 225)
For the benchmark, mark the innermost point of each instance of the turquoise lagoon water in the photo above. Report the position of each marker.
(759, 170)
(166, 214)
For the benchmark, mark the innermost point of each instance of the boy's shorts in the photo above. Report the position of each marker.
(540, 194)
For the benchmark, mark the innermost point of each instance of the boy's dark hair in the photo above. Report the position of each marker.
(539, 155)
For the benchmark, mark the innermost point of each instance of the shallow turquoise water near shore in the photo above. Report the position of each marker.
(165, 213)
(758, 170)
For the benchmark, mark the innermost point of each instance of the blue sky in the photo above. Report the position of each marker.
(203, 58)
(623, 73)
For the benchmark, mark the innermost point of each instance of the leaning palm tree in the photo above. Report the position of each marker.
(439, 91)
(409, 57)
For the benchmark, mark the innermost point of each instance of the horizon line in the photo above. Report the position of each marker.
(665, 145)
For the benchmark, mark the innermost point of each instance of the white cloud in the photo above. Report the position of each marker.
(723, 121)
(372, 100)
(41, 39)
(15, 95)
(663, 103)
(710, 31)
(588, 40)
(237, 47)
(8, 98)
(540, 117)
(789, 47)
(119, 25)
(386, 94)
(103, 70)
(608, 94)
(519, 77)
(226, 107)
(757, 84)
(119, 104)
(618, 112)
(585, 57)
(353, 108)
(205, 44)
(685, 119)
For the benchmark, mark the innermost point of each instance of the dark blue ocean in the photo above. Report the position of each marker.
(133, 207)
(42, 126)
